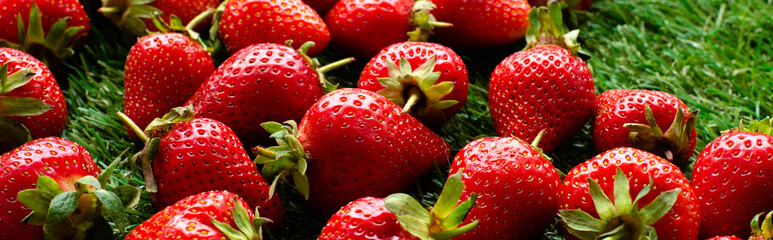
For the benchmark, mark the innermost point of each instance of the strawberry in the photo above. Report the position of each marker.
(184, 156)
(634, 118)
(354, 143)
(263, 82)
(543, 87)
(601, 191)
(481, 23)
(516, 184)
(70, 198)
(724, 238)
(321, 6)
(400, 216)
(433, 104)
(247, 22)
(206, 215)
(361, 28)
(732, 179)
(134, 16)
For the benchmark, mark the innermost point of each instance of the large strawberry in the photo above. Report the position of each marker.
(516, 184)
(481, 23)
(545, 86)
(362, 28)
(134, 16)
(626, 193)
(247, 22)
(69, 199)
(184, 156)
(206, 215)
(413, 86)
(263, 82)
(732, 179)
(652, 121)
(353, 143)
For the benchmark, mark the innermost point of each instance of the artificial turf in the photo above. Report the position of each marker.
(714, 55)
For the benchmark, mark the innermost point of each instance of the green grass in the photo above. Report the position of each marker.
(715, 55)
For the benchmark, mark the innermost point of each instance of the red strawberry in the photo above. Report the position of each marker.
(207, 215)
(544, 87)
(434, 103)
(517, 188)
(184, 156)
(732, 179)
(263, 82)
(321, 6)
(134, 16)
(358, 144)
(635, 193)
(634, 118)
(724, 238)
(68, 192)
(364, 218)
(361, 28)
(248, 22)
(481, 23)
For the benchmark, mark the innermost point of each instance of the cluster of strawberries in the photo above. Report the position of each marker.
(350, 152)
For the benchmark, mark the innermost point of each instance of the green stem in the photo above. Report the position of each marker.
(109, 10)
(538, 139)
(415, 95)
(335, 65)
(455, 232)
(195, 21)
(133, 126)
(264, 152)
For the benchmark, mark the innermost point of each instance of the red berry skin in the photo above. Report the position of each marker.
(60, 159)
(724, 238)
(545, 87)
(44, 87)
(205, 155)
(517, 188)
(732, 179)
(449, 64)
(361, 28)
(481, 23)
(364, 219)
(51, 11)
(162, 71)
(614, 108)
(321, 6)
(248, 22)
(361, 144)
(186, 10)
(190, 218)
(260, 83)
(681, 222)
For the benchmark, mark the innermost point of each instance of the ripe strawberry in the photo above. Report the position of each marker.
(663, 204)
(634, 118)
(248, 22)
(433, 104)
(732, 179)
(544, 87)
(481, 23)
(134, 16)
(517, 188)
(362, 28)
(725, 238)
(358, 144)
(263, 82)
(184, 156)
(69, 192)
(321, 6)
(207, 215)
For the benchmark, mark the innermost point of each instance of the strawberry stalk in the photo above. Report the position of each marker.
(672, 143)
(314, 64)
(286, 159)
(128, 14)
(546, 27)
(417, 91)
(248, 229)
(423, 22)
(16, 133)
(175, 25)
(762, 126)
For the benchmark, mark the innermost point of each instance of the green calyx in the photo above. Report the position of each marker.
(50, 48)
(443, 221)
(175, 25)
(16, 133)
(417, 91)
(248, 229)
(128, 14)
(755, 126)
(321, 70)
(621, 219)
(547, 28)
(286, 159)
(672, 144)
(423, 22)
(764, 230)
(79, 213)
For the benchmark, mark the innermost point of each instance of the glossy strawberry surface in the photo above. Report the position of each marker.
(724, 238)
(51, 11)
(481, 23)
(361, 28)
(364, 219)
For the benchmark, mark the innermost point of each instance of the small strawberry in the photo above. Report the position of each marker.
(362, 28)
(481, 23)
(634, 118)
(543, 87)
(247, 22)
(353, 143)
(134, 16)
(732, 179)
(597, 198)
(70, 198)
(321, 6)
(400, 216)
(416, 89)
(516, 184)
(206, 215)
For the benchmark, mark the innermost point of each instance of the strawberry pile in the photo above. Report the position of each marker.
(239, 123)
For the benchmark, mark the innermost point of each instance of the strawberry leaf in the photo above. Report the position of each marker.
(604, 206)
(452, 192)
(62, 206)
(90, 181)
(113, 207)
(34, 199)
(129, 195)
(579, 220)
(659, 207)
(15, 80)
(23, 106)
